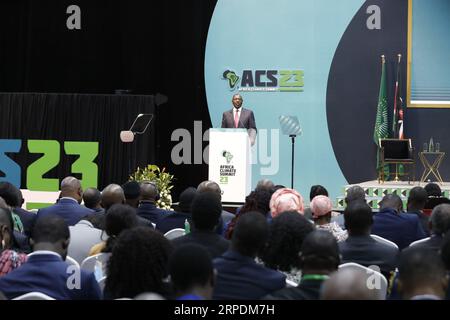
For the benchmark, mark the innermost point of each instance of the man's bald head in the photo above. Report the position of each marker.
(349, 284)
(149, 191)
(391, 201)
(71, 187)
(92, 198)
(209, 186)
(112, 194)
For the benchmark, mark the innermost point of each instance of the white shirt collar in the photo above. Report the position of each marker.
(42, 252)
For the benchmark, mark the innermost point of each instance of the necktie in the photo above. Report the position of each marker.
(236, 118)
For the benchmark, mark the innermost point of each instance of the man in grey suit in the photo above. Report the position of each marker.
(239, 117)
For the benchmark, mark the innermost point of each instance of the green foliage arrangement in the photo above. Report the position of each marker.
(162, 179)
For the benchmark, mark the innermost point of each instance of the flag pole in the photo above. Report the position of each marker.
(381, 122)
(398, 118)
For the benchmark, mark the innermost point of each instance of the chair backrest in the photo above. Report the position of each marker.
(418, 241)
(383, 240)
(174, 233)
(71, 261)
(290, 283)
(373, 277)
(400, 149)
(34, 296)
(96, 264)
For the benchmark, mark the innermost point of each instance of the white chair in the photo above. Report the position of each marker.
(101, 283)
(290, 283)
(96, 264)
(419, 241)
(174, 233)
(34, 296)
(383, 240)
(372, 274)
(71, 261)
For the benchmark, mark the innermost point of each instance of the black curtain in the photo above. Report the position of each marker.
(145, 47)
(79, 117)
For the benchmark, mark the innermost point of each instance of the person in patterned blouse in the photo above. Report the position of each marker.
(321, 208)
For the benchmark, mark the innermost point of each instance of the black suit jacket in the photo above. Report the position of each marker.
(148, 210)
(173, 221)
(246, 119)
(367, 251)
(215, 244)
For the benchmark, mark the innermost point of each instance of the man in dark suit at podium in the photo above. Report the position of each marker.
(239, 117)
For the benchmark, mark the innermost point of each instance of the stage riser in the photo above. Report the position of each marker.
(376, 191)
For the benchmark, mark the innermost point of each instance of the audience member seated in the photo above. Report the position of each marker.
(14, 199)
(258, 201)
(445, 256)
(392, 224)
(238, 275)
(316, 190)
(46, 271)
(319, 256)
(147, 206)
(83, 236)
(113, 194)
(68, 206)
(416, 202)
(20, 241)
(439, 225)
(118, 218)
(92, 199)
(434, 196)
(348, 284)
(286, 199)
(206, 209)
(321, 208)
(138, 264)
(225, 216)
(421, 275)
(132, 192)
(192, 273)
(179, 217)
(286, 234)
(9, 258)
(354, 193)
(265, 184)
(360, 247)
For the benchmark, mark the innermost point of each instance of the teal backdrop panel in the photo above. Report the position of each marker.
(430, 50)
(270, 37)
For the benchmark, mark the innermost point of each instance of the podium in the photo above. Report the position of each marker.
(230, 163)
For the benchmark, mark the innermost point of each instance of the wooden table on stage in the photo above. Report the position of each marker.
(431, 162)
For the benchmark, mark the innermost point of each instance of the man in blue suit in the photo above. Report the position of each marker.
(238, 275)
(392, 224)
(147, 208)
(68, 206)
(46, 271)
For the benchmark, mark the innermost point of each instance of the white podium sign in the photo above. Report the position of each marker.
(230, 163)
